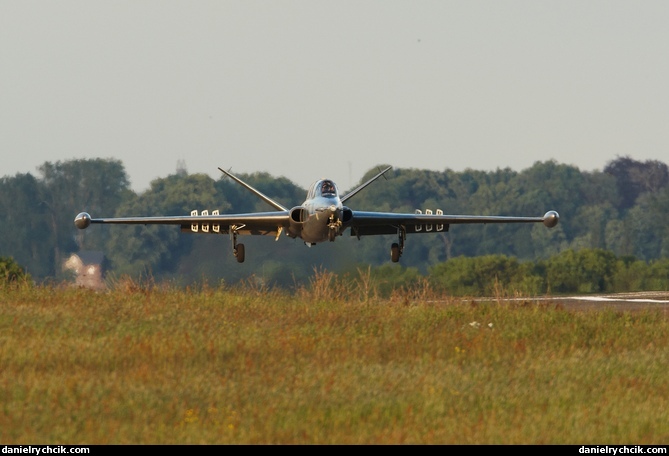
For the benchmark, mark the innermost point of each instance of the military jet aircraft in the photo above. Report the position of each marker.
(321, 217)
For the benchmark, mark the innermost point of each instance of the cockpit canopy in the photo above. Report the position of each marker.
(328, 188)
(325, 188)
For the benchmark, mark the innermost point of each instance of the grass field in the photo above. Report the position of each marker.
(154, 365)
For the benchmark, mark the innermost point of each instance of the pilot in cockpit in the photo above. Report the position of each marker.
(327, 188)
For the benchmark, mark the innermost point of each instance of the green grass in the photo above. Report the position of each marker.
(154, 365)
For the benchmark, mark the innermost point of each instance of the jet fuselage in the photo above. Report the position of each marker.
(322, 216)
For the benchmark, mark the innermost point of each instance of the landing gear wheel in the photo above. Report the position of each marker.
(395, 252)
(239, 253)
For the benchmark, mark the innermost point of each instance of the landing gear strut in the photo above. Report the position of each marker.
(237, 249)
(398, 247)
(335, 225)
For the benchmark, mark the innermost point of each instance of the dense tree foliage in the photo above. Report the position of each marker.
(570, 271)
(96, 185)
(12, 273)
(634, 178)
(25, 230)
(613, 222)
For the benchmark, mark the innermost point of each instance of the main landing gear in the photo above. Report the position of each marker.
(237, 249)
(239, 253)
(398, 247)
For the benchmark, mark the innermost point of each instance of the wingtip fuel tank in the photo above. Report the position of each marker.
(551, 219)
(82, 220)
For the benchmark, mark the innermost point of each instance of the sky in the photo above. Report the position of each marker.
(307, 89)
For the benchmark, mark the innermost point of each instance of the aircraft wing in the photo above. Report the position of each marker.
(259, 223)
(374, 223)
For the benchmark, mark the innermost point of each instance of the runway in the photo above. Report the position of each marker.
(621, 301)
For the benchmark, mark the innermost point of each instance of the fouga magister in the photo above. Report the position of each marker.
(321, 217)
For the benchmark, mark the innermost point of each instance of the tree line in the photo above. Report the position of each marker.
(622, 210)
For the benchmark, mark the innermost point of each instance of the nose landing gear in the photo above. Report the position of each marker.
(335, 225)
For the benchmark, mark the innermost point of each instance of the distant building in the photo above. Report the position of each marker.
(88, 269)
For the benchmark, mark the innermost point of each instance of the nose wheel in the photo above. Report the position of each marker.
(335, 225)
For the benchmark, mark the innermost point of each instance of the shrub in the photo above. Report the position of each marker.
(11, 272)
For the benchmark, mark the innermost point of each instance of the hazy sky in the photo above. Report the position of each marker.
(311, 89)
